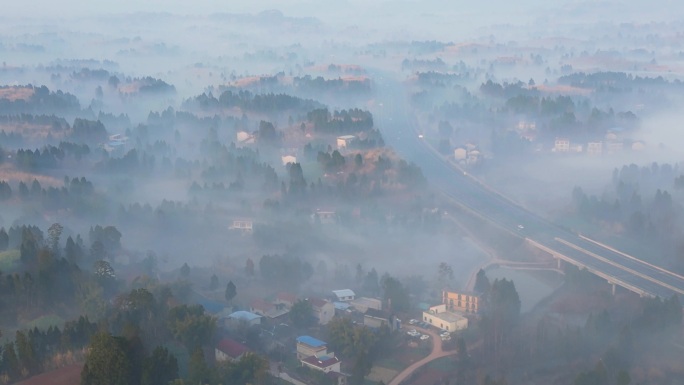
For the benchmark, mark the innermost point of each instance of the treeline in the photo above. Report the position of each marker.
(77, 194)
(341, 122)
(35, 351)
(41, 101)
(641, 205)
(50, 157)
(253, 102)
(320, 84)
(614, 81)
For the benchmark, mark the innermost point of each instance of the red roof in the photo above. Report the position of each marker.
(261, 305)
(317, 302)
(287, 297)
(321, 362)
(232, 348)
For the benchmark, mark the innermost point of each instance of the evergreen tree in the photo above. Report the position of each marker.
(231, 291)
(4, 239)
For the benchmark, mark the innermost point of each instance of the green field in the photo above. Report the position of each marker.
(8, 260)
(44, 322)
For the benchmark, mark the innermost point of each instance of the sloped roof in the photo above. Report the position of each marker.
(344, 293)
(375, 313)
(322, 361)
(244, 315)
(287, 297)
(232, 348)
(317, 302)
(313, 342)
(260, 304)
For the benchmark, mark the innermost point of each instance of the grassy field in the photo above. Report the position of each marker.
(44, 322)
(8, 260)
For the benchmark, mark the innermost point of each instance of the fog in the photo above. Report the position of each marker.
(158, 155)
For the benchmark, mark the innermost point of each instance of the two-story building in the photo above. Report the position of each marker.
(308, 346)
(461, 301)
(323, 310)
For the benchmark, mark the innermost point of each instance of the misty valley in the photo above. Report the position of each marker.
(392, 193)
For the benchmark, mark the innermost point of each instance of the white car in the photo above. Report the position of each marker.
(446, 338)
(520, 227)
(445, 334)
(413, 333)
(413, 321)
(424, 337)
(420, 136)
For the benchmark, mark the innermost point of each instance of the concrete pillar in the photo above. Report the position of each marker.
(613, 288)
(558, 263)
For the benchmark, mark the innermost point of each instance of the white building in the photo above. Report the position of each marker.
(344, 141)
(440, 317)
(344, 295)
(561, 145)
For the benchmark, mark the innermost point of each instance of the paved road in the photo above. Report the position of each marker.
(436, 353)
(398, 126)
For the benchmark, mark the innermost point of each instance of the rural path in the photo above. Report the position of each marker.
(437, 352)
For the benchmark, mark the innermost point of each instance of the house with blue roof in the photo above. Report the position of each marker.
(240, 316)
(308, 346)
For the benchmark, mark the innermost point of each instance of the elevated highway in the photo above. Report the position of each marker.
(617, 268)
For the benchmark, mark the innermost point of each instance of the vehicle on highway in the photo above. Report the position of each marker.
(520, 227)
(420, 136)
(424, 337)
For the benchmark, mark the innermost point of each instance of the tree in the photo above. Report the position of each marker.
(214, 282)
(25, 353)
(72, 251)
(107, 362)
(29, 247)
(445, 273)
(395, 294)
(623, 378)
(301, 314)
(185, 271)
(482, 284)
(190, 326)
(54, 232)
(249, 267)
(4, 239)
(231, 291)
(160, 368)
(198, 371)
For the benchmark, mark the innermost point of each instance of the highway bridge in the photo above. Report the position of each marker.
(619, 269)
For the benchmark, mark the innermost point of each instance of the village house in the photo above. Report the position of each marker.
(362, 304)
(344, 295)
(374, 318)
(326, 363)
(308, 346)
(229, 350)
(440, 317)
(243, 316)
(323, 310)
(267, 309)
(344, 141)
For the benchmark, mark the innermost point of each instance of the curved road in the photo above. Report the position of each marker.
(437, 352)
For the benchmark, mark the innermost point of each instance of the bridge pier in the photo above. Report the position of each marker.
(612, 287)
(558, 263)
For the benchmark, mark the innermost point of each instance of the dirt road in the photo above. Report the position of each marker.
(436, 353)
